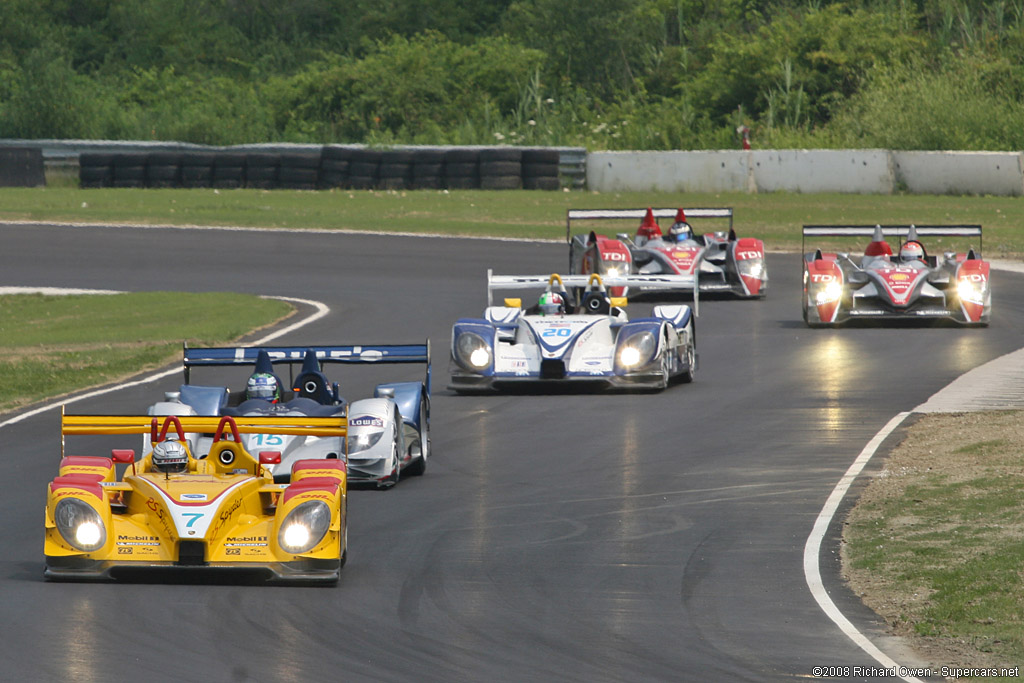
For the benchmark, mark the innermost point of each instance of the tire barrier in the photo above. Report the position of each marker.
(328, 167)
(21, 167)
(96, 169)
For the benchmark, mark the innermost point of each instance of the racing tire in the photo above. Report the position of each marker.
(418, 466)
(690, 357)
(390, 481)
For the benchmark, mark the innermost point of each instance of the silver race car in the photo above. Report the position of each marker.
(909, 284)
(719, 261)
(567, 339)
(388, 434)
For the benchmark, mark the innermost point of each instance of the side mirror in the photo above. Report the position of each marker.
(385, 392)
(270, 457)
(619, 301)
(123, 456)
(513, 303)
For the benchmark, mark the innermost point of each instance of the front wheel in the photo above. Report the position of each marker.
(418, 466)
(689, 356)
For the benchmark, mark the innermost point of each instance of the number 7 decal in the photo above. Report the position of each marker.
(195, 518)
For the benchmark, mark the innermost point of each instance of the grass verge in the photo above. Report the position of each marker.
(935, 544)
(776, 217)
(53, 345)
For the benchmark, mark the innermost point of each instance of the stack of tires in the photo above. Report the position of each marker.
(501, 168)
(96, 169)
(363, 169)
(229, 170)
(334, 163)
(300, 170)
(540, 169)
(163, 169)
(197, 169)
(261, 169)
(462, 169)
(130, 169)
(395, 170)
(427, 169)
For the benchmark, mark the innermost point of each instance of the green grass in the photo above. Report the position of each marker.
(942, 534)
(776, 217)
(52, 345)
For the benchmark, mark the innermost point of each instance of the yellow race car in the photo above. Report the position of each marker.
(172, 511)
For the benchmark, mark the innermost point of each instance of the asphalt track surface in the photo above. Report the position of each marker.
(566, 537)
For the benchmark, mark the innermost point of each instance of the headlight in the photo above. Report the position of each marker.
(612, 271)
(80, 524)
(971, 291)
(829, 293)
(304, 527)
(751, 267)
(361, 442)
(637, 350)
(472, 351)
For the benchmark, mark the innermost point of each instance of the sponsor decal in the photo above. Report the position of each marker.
(129, 537)
(234, 551)
(246, 539)
(366, 421)
(193, 496)
(136, 543)
(245, 545)
(121, 550)
(744, 255)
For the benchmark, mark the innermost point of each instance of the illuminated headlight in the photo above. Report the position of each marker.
(637, 350)
(829, 293)
(612, 272)
(80, 524)
(304, 527)
(971, 292)
(364, 441)
(472, 351)
(752, 267)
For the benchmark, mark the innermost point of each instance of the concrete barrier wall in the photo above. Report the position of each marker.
(854, 171)
(867, 171)
(995, 173)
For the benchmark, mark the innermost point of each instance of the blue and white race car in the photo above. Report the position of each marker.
(575, 339)
(388, 434)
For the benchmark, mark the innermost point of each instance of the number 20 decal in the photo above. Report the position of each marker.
(557, 332)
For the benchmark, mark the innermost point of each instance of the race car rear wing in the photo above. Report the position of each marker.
(901, 231)
(158, 427)
(294, 355)
(657, 281)
(622, 214)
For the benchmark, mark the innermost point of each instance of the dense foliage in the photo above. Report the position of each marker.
(605, 74)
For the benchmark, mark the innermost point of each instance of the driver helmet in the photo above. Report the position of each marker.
(551, 303)
(170, 456)
(679, 232)
(263, 385)
(911, 251)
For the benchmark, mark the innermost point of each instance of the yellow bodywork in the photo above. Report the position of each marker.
(224, 512)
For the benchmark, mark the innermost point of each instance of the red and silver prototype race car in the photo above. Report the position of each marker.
(719, 261)
(908, 284)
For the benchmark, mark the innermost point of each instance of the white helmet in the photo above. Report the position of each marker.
(911, 251)
(170, 456)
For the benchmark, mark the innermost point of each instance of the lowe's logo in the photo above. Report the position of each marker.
(366, 421)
